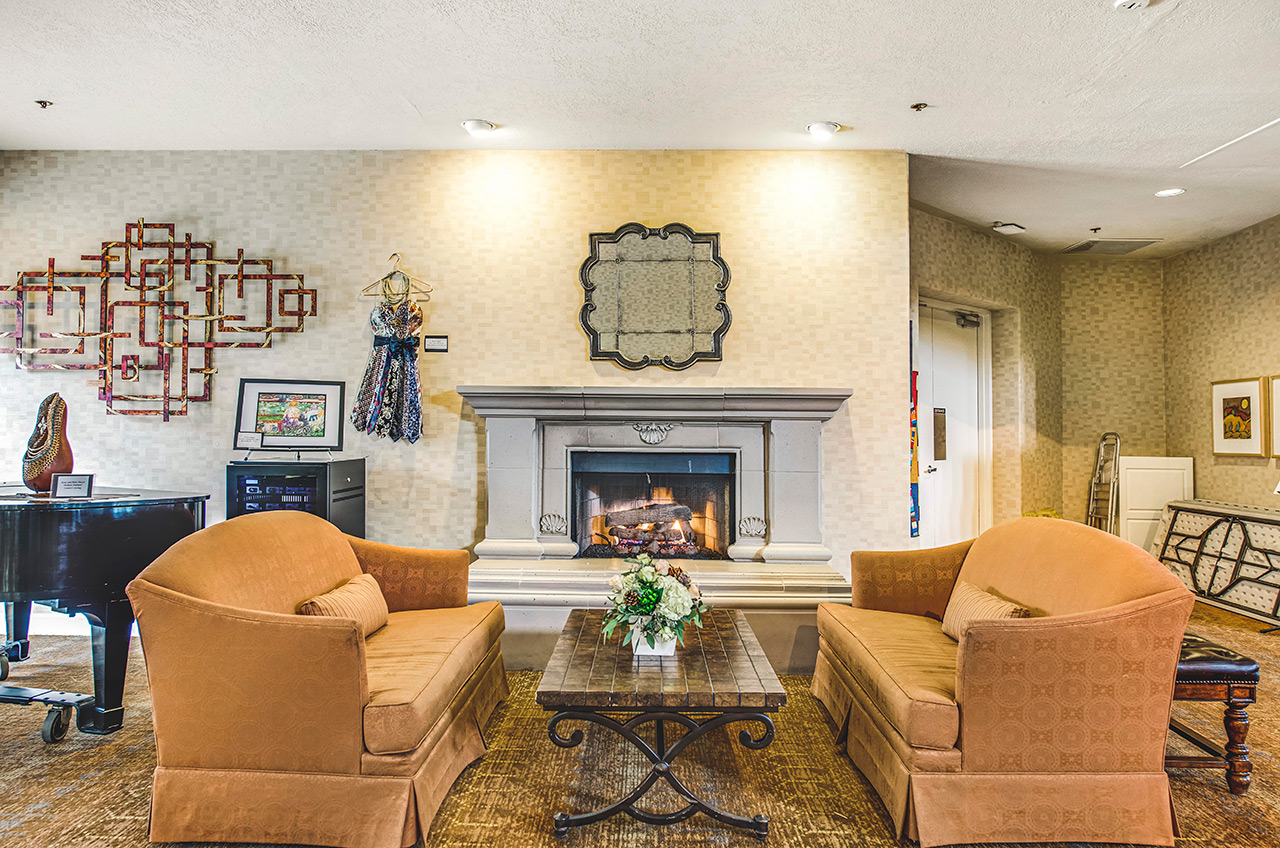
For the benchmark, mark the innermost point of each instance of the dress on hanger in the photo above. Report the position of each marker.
(390, 399)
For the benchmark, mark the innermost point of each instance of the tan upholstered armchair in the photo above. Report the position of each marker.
(1043, 729)
(277, 727)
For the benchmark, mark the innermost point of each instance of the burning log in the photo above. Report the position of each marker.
(662, 529)
(652, 514)
(671, 533)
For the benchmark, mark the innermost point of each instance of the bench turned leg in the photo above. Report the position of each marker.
(1236, 722)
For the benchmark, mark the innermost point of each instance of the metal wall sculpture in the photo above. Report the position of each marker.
(149, 317)
(1228, 555)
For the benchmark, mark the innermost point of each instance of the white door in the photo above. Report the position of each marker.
(1147, 483)
(954, 429)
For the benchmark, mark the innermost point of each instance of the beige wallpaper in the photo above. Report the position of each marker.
(1220, 309)
(1113, 350)
(817, 244)
(955, 262)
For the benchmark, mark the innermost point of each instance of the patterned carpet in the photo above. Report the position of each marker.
(93, 792)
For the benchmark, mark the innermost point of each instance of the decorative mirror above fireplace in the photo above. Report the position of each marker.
(655, 296)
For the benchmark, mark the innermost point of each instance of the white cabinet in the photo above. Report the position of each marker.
(1147, 483)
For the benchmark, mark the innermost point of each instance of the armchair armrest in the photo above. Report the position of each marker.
(415, 578)
(1087, 692)
(239, 689)
(912, 582)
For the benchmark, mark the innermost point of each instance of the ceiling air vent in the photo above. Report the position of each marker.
(1108, 247)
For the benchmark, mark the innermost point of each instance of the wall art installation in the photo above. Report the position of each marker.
(389, 401)
(655, 296)
(1239, 418)
(149, 316)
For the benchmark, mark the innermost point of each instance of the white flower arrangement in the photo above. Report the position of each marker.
(655, 599)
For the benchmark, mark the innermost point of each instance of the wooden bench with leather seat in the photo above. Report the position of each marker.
(1208, 671)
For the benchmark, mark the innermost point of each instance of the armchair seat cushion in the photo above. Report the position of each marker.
(416, 664)
(904, 664)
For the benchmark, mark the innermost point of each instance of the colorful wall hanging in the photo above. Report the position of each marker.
(915, 432)
(389, 402)
(149, 317)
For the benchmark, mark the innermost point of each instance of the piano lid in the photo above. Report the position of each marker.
(18, 496)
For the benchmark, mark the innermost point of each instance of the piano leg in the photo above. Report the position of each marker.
(109, 625)
(17, 624)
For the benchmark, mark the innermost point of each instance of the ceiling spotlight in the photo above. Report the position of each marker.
(44, 104)
(1170, 192)
(823, 130)
(1008, 229)
(477, 127)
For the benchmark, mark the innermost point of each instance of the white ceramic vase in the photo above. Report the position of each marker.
(661, 648)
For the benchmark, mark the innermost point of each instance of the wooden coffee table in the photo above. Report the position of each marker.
(718, 677)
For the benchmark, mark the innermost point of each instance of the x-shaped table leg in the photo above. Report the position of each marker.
(661, 760)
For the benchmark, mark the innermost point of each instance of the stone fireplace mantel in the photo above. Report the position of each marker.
(603, 403)
(778, 569)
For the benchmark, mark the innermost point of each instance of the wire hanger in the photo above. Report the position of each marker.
(398, 286)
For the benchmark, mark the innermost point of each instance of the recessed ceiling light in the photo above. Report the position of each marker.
(1170, 192)
(478, 127)
(1008, 229)
(823, 130)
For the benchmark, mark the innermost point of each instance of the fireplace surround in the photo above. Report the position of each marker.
(775, 436)
(767, 441)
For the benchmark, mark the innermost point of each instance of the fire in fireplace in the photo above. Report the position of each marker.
(671, 505)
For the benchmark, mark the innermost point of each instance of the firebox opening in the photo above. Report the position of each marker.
(674, 505)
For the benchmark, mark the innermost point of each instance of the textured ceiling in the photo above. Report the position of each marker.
(1060, 116)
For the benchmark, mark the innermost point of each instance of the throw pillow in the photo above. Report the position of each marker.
(969, 602)
(358, 598)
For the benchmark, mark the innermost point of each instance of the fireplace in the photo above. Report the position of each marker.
(768, 441)
(676, 505)
(746, 463)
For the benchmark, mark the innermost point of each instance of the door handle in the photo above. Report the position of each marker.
(930, 469)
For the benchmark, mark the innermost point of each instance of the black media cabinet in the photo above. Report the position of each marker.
(333, 490)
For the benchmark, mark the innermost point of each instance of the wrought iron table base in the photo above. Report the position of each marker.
(661, 758)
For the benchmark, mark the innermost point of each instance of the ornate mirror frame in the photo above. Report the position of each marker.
(703, 275)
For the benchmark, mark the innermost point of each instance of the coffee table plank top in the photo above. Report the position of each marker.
(721, 666)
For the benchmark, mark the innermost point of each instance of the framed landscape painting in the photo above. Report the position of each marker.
(1240, 422)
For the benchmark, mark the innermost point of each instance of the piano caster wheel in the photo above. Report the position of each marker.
(4, 665)
(56, 724)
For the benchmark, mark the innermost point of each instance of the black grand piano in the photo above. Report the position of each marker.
(77, 555)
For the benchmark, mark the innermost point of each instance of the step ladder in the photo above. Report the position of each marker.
(1104, 489)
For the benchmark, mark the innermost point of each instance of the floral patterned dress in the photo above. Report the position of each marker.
(390, 399)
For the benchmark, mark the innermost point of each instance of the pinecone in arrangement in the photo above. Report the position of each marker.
(632, 598)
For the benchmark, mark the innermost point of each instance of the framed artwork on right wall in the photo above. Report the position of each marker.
(1273, 386)
(1240, 423)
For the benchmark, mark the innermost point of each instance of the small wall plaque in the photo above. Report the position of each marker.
(435, 344)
